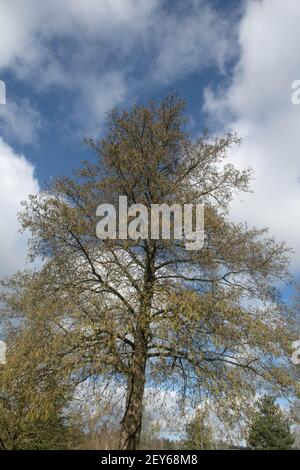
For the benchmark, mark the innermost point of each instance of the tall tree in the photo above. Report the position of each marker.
(149, 311)
(270, 429)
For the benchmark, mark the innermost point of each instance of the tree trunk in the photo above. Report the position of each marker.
(132, 419)
(131, 423)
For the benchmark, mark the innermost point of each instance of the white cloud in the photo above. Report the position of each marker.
(74, 45)
(19, 120)
(69, 44)
(32, 35)
(17, 181)
(97, 96)
(257, 104)
(28, 25)
(193, 37)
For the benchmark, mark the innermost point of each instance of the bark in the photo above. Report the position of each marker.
(131, 423)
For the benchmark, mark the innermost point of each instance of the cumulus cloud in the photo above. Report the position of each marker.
(69, 45)
(108, 44)
(29, 25)
(17, 181)
(192, 37)
(97, 96)
(257, 105)
(20, 120)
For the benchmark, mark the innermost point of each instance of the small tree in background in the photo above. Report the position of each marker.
(295, 419)
(199, 433)
(34, 411)
(270, 429)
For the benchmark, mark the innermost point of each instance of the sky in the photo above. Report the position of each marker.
(66, 63)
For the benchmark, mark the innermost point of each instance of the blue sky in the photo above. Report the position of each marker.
(67, 62)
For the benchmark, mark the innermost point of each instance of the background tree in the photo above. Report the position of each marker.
(295, 420)
(199, 434)
(142, 312)
(270, 429)
(34, 410)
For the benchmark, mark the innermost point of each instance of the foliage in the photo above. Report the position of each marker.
(295, 420)
(269, 429)
(32, 405)
(199, 434)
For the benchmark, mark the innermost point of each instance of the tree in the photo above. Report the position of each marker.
(270, 429)
(33, 407)
(149, 311)
(199, 434)
(295, 419)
